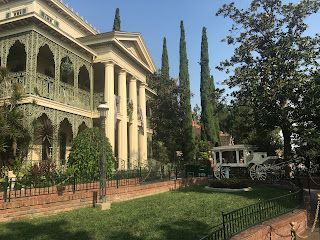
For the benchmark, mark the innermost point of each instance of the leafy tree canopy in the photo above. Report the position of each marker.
(273, 60)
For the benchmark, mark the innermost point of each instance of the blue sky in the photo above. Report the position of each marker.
(156, 19)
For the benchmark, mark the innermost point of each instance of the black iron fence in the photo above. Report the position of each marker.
(29, 186)
(243, 218)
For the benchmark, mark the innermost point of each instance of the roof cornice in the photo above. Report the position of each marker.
(116, 37)
(69, 12)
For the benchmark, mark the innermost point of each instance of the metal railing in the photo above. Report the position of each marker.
(243, 218)
(29, 186)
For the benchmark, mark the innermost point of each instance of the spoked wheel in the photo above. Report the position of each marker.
(258, 172)
(219, 172)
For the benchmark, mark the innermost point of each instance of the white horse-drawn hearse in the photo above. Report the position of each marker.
(237, 160)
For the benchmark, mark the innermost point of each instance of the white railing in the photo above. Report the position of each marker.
(66, 93)
(6, 86)
(45, 86)
(83, 99)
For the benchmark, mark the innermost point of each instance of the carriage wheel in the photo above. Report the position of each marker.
(219, 172)
(258, 172)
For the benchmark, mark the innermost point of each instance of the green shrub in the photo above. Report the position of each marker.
(84, 158)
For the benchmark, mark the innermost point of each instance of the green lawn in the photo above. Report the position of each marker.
(182, 214)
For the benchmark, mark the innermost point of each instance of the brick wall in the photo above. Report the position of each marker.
(276, 228)
(314, 182)
(29, 207)
(279, 227)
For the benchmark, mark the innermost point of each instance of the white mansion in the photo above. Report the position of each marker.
(40, 39)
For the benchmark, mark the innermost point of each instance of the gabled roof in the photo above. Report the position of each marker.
(130, 43)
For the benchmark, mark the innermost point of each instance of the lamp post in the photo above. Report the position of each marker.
(103, 108)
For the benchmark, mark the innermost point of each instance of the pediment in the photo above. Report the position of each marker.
(134, 43)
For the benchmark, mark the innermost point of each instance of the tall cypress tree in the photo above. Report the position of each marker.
(187, 137)
(116, 22)
(209, 123)
(165, 60)
(164, 110)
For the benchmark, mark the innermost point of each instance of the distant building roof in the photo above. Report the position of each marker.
(226, 139)
(196, 128)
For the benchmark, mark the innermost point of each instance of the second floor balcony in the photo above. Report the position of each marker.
(46, 87)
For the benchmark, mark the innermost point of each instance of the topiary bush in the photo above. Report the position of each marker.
(84, 157)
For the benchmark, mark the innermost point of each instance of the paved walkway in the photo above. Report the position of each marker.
(316, 234)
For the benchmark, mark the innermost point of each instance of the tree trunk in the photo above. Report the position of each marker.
(287, 142)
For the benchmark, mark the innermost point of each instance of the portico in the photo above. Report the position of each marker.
(126, 64)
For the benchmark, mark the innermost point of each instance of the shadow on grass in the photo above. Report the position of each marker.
(51, 230)
(262, 192)
(186, 230)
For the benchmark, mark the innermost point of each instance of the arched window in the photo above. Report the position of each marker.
(45, 62)
(84, 80)
(67, 71)
(17, 58)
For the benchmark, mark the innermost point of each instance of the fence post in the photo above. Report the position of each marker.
(74, 183)
(10, 184)
(117, 178)
(260, 210)
(293, 231)
(224, 226)
(6, 184)
(319, 211)
(176, 173)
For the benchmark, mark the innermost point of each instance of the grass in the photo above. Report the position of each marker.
(187, 213)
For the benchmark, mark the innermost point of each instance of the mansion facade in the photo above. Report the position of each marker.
(66, 68)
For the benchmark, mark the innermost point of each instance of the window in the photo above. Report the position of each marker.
(42, 13)
(48, 18)
(19, 12)
(8, 15)
(56, 23)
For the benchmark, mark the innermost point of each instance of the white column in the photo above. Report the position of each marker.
(109, 98)
(237, 156)
(122, 132)
(133, 127)
(143, 134)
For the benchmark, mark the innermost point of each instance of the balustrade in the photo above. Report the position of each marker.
(83, 99)
(97, 98)
(66, 93)
(6, 86)
(44, 86)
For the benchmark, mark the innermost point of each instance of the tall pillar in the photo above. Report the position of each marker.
(133, 127)
(237, 156)
(91, 74)
(142, 132)
(122, 133)
(109, 98)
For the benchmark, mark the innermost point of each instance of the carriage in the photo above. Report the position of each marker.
(237, 160)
